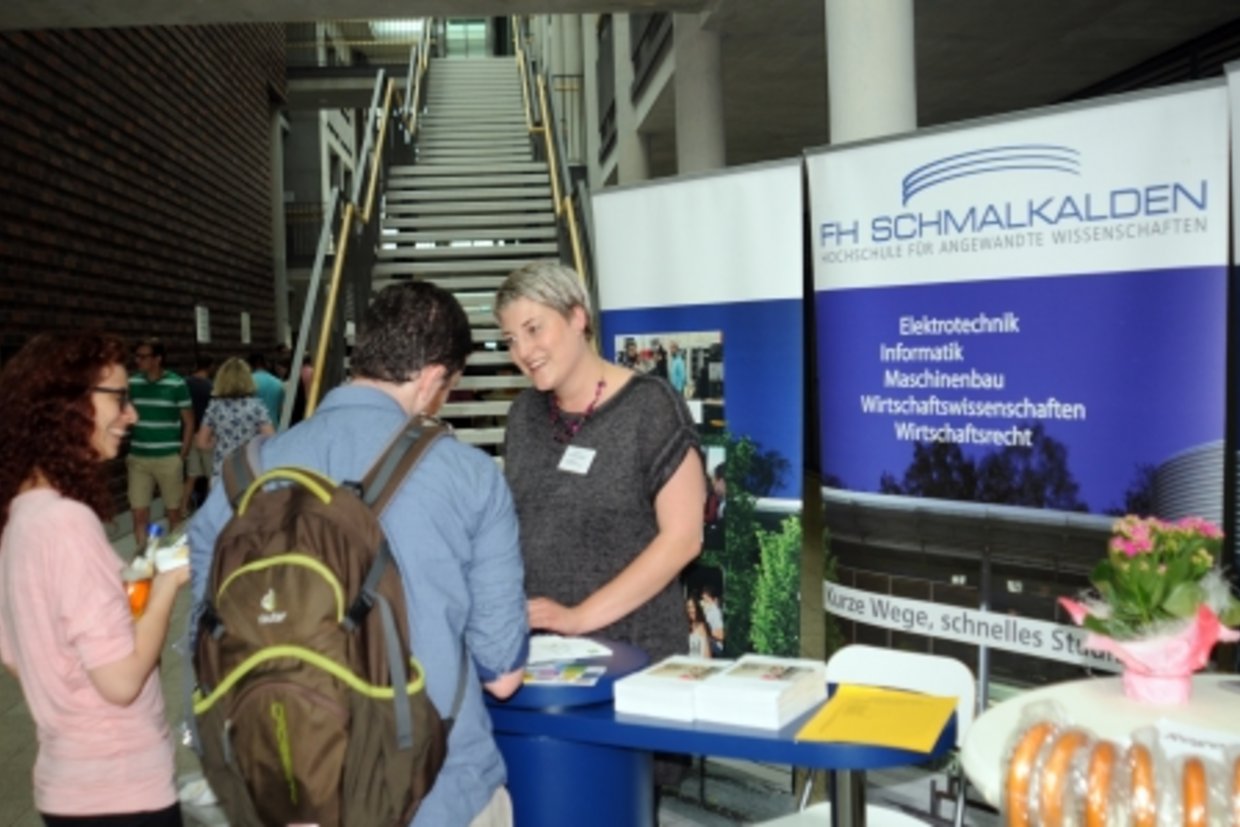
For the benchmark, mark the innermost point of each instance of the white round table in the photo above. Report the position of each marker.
(1099, 705)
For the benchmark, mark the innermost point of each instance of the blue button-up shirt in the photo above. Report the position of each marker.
(453, 533)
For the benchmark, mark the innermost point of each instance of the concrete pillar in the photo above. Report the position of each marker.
(589, 60)
(871, 77)
(555, 45)
(279, 258)
(573, 99)
(699, 96)
(632, 164)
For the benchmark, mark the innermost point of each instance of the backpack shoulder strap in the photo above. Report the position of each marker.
(240, 469)
(398, 460)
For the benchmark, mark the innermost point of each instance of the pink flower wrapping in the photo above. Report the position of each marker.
(1159, 669)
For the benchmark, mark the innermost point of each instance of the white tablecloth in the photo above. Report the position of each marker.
(1099, 705)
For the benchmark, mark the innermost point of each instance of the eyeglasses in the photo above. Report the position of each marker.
(121, 394)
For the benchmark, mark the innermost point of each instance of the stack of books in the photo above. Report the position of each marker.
(667, 689)
(755, 691)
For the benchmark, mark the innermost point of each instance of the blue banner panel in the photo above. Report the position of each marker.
(761, 343)
(1099, 376)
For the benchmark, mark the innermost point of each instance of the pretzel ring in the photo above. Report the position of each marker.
(1098, 787)
(1020, 773)
(1054, 774)
(1144, 804)
(1235, 792)
(1193, 793)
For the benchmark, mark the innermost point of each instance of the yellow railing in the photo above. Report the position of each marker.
(357, 216)
(563, 204)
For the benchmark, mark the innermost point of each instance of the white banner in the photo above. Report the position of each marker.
(731, 236)
(1112, 186)
(1027, 636)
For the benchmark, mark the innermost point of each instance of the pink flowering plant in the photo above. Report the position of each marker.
(1157, 576)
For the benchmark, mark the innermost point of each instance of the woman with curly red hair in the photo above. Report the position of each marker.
(86, 667)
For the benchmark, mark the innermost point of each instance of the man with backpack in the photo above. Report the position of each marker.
(452, 532)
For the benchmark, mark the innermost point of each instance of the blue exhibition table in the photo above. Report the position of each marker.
(572, 758)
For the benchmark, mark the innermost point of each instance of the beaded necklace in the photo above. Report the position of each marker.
(562, 427)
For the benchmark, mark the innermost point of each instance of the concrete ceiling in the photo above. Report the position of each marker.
(974, 57)
(60, 14)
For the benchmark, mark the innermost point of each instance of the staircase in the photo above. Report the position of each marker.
(474, 207)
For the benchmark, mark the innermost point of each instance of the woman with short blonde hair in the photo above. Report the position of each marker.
(234, 416)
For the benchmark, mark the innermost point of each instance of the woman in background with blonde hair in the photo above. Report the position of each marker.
(235, 414)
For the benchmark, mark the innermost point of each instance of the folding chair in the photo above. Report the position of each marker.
(894, 669)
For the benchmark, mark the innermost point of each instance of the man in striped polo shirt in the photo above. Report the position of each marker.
(161, 438)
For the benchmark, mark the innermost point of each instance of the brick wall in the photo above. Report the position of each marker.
(135, 182)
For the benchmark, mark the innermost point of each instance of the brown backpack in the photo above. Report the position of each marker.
(310, 706)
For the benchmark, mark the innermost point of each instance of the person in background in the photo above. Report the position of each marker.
(605, 469)
(677, 374)
(629, 357)
(86, 667)
(699, 630)
(198, 463)
(658, 360)
(451, 526)
(234, 416)
(270, 388)
(161, 439)
(713, 615)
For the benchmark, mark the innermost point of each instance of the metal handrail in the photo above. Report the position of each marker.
(307, 313)
(523, 72)
(377, 155)
(370, 132)
(549, 143)
(562, 198)
(329, 310)
(358, 213)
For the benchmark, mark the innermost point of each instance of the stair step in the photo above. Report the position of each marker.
(449, 268)
(421, 170)
(485, 155)
(443, 136)
(436, 158)
(496, 408)
(449, 283)
(468, 193)
(442, 222)
(461, 275)
(477, 383)
(532, 208)
(479, 436)
(388, 272)
(463, 105)
(466, 143)
(486, 334)
(464, 181)
(498, 98)
(479, 302)
(490, 357)
(408, 253)
(478, 234)
(474, 143)
(516, 120)
(491, 117)
(481, 318)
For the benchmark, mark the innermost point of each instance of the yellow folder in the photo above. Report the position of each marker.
(882, 717)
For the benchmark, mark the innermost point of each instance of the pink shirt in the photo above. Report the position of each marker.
(63, 611)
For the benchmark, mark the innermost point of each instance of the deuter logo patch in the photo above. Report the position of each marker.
(270, 614)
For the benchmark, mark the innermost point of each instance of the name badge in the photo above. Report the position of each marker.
(577, 460)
